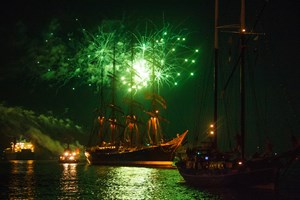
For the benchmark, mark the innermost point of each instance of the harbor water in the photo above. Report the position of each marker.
(53, 180)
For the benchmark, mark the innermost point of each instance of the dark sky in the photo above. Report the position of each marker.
(280, 55)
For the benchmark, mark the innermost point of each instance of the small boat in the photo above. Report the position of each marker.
(20, 149)
(69, 156)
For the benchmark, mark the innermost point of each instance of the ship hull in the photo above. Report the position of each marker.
(152, 156)
(256, 172)
(23, 155)
(245, 178)
(159, 156)
(68, 161)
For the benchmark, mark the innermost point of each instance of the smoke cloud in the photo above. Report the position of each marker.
(45, 131)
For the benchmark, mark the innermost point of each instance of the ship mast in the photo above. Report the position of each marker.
(154, 118)
(154, 130)
(131, 122)
(113, 123)
(216, 51)
(242, 77)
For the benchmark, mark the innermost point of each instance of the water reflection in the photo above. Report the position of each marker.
(51, 180)
(131, 183)
(22, 180)
(68, 183)
(141, 183)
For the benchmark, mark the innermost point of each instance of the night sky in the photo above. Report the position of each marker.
(25, 23)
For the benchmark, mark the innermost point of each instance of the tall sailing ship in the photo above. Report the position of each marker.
(207, 165)
(133, 148)
(122, 139)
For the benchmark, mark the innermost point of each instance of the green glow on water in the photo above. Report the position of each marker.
(51, 180)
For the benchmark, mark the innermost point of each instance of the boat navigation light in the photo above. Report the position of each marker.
(240, 162)
(211, 132)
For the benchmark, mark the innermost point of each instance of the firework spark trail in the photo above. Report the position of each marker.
(97, 54)
(136, 55)
(158, 57)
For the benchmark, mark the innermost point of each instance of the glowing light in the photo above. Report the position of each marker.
(21, 145)
(142, 71)
(211, 132)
